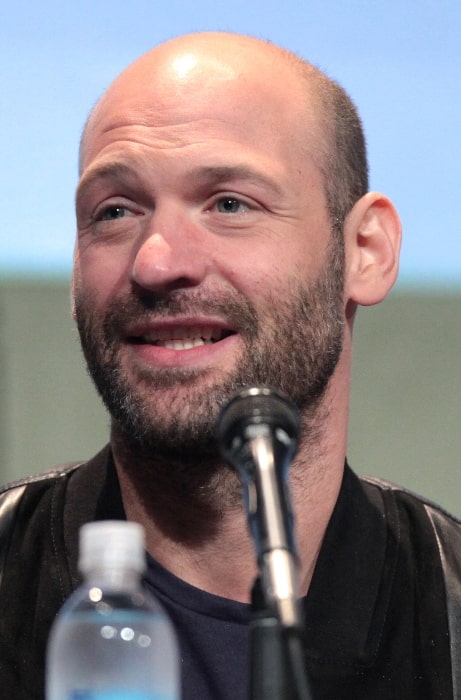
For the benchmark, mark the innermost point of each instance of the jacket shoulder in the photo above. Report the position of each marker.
(401, 493)
(446, 533)
(19, 484)
(10, 498)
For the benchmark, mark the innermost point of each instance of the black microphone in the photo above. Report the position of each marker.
(257, 433)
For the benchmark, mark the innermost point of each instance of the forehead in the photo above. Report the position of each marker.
(190, 100)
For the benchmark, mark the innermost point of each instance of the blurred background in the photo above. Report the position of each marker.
(400, 60)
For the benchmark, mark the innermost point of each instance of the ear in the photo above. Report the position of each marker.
(372, 235)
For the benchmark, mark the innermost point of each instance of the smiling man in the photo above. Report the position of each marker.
(226, 237)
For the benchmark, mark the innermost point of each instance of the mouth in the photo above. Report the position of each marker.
(182, 337)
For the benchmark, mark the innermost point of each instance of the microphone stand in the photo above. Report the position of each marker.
(276, 655)
(277, 666)
(257, 434)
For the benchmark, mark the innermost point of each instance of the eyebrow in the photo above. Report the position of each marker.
(225, 173)
(202, 175)
(111, 170)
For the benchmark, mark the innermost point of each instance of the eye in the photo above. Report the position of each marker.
(230, 205)
(112, 213)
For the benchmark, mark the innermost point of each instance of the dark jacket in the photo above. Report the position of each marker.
(383, 611)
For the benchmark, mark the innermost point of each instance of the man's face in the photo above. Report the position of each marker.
(204, 260)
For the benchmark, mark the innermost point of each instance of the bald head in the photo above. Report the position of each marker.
(200, 67)
(189, 73)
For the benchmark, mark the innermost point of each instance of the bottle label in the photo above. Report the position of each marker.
(115, 695)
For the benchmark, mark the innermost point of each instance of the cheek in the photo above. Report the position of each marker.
(250, 278)
(261, 271)
(101, 274)
(263, 286)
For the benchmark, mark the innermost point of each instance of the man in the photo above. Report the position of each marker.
(225, 239)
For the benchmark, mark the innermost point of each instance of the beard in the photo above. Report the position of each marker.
(292, 343)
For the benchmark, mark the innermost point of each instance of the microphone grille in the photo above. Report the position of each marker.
(253, 406)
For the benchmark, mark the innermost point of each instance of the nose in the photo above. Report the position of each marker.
(169, 260)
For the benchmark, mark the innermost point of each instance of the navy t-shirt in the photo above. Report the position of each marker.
(213, 636)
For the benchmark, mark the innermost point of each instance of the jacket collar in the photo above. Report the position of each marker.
(93, 493)
(348, 599)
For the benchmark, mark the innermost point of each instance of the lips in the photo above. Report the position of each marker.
(180, 337)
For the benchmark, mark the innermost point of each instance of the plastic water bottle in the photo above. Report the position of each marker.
(112, 640)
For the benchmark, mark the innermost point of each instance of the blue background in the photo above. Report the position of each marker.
(399, 60)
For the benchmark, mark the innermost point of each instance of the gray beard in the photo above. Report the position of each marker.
(294, 349)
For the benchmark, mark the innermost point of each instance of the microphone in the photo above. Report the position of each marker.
(257, 434)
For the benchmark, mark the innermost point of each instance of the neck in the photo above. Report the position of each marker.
(194, 519)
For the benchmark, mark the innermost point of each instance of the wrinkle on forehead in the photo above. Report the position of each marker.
(188, 79)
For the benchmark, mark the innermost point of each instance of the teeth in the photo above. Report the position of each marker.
(183, 338)
(183, 343)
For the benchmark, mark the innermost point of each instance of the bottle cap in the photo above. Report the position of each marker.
(111, 544)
